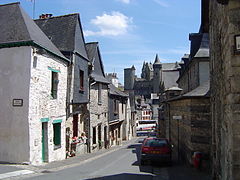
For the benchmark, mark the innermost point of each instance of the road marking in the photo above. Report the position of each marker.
(15, 173)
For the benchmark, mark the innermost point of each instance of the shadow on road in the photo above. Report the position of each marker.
(156, 171)
(125, 176)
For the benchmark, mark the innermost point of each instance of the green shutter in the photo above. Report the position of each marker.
(57, 133)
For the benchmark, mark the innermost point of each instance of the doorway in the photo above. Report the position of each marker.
(45, 142)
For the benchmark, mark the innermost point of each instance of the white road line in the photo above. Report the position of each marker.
(15, 173)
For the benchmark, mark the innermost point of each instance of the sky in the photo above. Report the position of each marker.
(129, 32)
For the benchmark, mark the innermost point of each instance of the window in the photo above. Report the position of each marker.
(99, 93)
(54, 86)
(119, 132)
(81, 78)
(122, 107)
(75, 125)
(94, 135)
(57, 135)
(115, 106)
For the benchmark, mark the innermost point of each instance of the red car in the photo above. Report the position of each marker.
(156, 149)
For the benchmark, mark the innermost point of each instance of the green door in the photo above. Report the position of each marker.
(43, 143)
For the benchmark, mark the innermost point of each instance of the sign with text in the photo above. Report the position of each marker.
(237, 44)
(177, 117)
(18, 102)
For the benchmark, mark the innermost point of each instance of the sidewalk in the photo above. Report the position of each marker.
(5, 168)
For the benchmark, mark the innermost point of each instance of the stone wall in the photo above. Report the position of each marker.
(42, 105)
(98, 111)
(190, 127)
(225, 75)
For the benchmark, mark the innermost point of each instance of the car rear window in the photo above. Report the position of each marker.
(156, 143)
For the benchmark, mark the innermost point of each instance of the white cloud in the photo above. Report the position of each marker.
(161, 3)
(113, 24)
(124, 1)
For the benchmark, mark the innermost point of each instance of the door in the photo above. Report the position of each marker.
(45, 142)
(75, 125)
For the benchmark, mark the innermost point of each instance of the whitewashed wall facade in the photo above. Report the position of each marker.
(42, 105)
(21, 127)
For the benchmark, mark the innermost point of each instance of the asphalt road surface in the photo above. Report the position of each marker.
(122, 164)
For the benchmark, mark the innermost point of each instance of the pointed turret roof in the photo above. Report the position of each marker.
(157, 60)
(19, 29)
(133, 67)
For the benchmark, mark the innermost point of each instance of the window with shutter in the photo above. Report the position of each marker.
(57, 135)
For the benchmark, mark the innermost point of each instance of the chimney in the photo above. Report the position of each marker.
(45, 16)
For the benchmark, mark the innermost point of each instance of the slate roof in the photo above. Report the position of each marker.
(91, 50)
(18, 27)
(203, 50)
(170, 78)
(199, 45)
(94, 57)
(63, 33)
(202, 90)
(168, 66)
(115, 91)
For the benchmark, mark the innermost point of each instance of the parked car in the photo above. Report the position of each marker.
(157, 150)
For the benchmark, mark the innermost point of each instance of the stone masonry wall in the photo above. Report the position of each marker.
(225, 87)
(98, 112)
(42, 105)
(192, 132)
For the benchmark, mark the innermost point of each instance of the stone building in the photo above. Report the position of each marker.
(98, 105)
(155, 78)
(225, 89)
(186, 117)
(66, 33)
(117, 104)
(117, 96)
(33, 76)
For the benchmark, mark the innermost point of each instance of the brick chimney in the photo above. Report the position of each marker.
(45, 16)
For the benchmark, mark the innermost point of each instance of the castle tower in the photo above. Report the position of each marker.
(143, 74)
(157, 75)
(129, 78)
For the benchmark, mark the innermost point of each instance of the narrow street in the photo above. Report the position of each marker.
(120, 163)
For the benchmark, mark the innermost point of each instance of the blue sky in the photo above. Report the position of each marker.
(129, 31)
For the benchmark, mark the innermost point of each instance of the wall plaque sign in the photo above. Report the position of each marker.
(237, 44)
(18, 102)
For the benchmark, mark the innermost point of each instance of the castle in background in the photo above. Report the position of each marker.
(155, 79)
